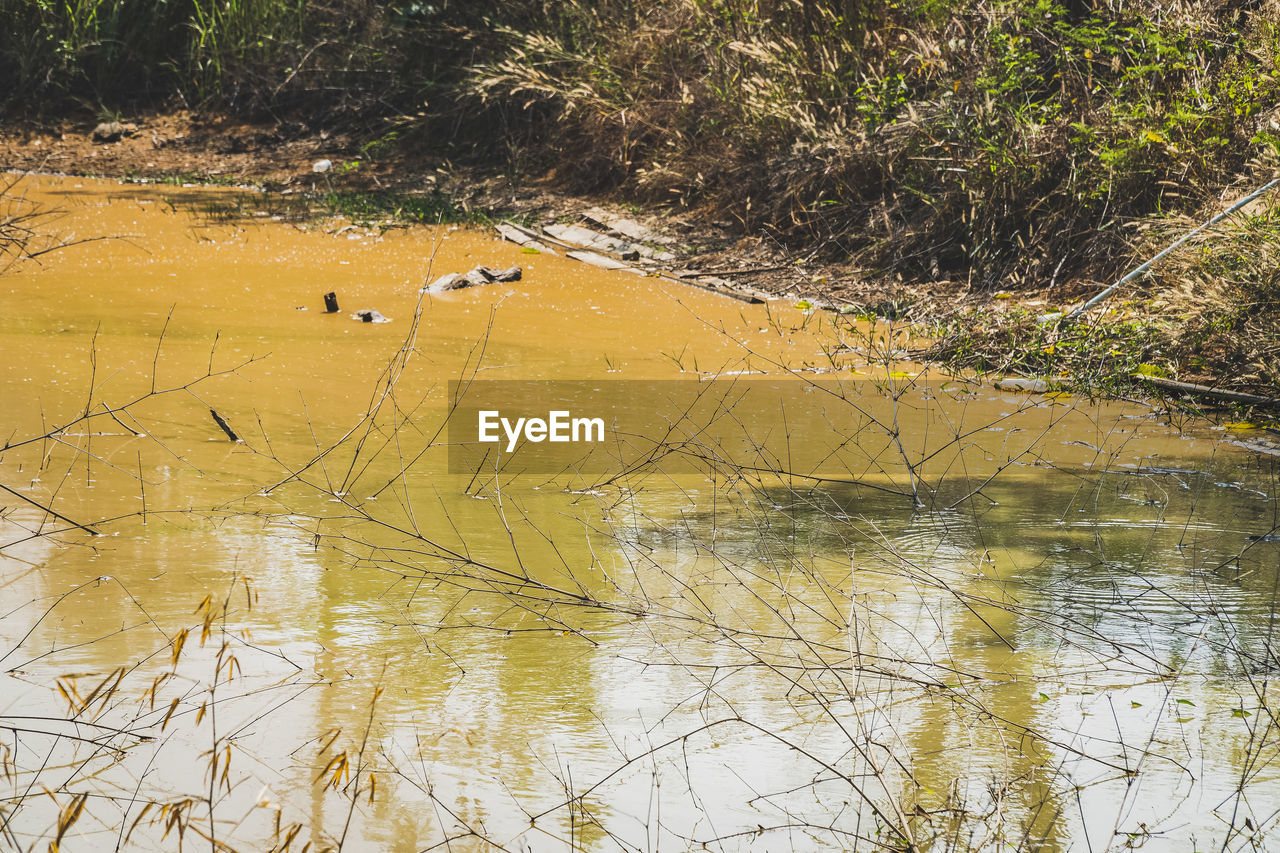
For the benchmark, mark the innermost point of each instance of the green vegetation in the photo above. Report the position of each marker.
(1207, 313)
(382, 206)
(980, 142)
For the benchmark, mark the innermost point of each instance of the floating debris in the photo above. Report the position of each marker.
(522, 237)
(587, 246)
(475, 278)
(595, 241)
(1195, 390)
(715, 284)
(604, 262)
(369, 316)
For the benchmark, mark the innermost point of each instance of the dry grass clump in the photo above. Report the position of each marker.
(1222, 293)
(996, 145)
(1209, 312)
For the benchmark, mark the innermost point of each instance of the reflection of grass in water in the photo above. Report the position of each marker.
(373, 209)
(852, 643)
(862, 651)
(907, 691)
(198, 699)
(27, 227)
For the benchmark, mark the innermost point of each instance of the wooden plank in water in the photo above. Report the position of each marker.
(715, 285)
(720, 286)
(604, 262)
(522, 237)
(597, 242)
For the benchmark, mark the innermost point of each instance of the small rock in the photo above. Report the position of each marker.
(369, 316)
(113, 131)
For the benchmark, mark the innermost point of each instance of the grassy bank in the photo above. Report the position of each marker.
(1207, 314)
(1027, 146)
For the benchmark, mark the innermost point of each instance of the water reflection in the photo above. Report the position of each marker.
(1036, 622)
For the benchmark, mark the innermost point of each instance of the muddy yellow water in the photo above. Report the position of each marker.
(936, 614)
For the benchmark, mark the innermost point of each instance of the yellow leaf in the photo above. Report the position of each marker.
(173, 706)
(178, 642)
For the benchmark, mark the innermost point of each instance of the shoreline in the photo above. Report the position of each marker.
(990, 332)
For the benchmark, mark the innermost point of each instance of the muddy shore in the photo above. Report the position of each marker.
(976, 329)
(221, 149)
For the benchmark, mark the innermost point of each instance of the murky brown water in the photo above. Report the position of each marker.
(1063, 641)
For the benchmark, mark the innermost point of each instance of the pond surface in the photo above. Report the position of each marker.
(942, 615)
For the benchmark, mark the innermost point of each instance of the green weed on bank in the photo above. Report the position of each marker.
(1207, 313)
